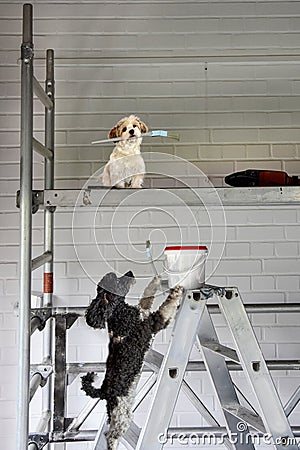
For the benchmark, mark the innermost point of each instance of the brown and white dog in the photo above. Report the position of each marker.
(126, 167)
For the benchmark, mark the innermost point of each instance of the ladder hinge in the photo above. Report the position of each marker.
(39, 439)
(37, 200)
(44, 370)
(43, 314)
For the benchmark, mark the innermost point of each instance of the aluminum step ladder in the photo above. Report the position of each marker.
(194, 326)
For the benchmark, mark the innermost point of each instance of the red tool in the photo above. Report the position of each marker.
(254, 177)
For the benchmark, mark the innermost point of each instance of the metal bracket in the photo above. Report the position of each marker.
(49, 88)
(207, 291)
(27, 52)
(44, 370)
(43, 314)
(38, 439)
(71, 377)
(68, 421)
(71, 319)
(37, 200)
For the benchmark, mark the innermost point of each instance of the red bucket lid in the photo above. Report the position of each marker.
(186, 247)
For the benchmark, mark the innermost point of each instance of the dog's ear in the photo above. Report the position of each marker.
(96, 312)
(113, 133)
(143, 126)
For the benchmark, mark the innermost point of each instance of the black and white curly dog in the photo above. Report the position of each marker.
(131, 329)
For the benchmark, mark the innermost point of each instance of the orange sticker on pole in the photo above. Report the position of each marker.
(48, 283)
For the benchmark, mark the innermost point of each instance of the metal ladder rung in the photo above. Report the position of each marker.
(153, 359)
(222, 350)
(41, 94)
(245, 415)
(132, 434)
(42, 149)
(40, 260)
(292, 402)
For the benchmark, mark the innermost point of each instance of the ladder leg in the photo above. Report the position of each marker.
(221, 380)
(254, 365)
(171, 373)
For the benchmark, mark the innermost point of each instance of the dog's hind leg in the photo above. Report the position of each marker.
(120, 417)
(119, 423)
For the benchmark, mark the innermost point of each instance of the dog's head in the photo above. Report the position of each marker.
(128, 127)
(111, 291)
(114, 286)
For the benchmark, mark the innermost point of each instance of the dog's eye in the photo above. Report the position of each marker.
(124, 129)
(134, 126)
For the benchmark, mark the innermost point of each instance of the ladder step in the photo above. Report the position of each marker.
(245, 415)
(40, 260)
(42, 149)
(153, 359)
(132, 435)
(41, 94)
(222, 350)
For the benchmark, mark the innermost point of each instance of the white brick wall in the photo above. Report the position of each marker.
(223, 75)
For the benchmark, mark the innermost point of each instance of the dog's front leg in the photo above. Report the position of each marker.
(169, 307)
(120, 185)
(137, 182)
(95, 313)
(147, 299)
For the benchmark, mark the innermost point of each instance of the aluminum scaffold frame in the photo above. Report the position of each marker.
(67, 429)
(27, 202)
(51, 374)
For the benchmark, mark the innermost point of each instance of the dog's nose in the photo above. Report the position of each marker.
(131, 131)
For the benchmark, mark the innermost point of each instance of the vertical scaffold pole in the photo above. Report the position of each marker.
(48, 224)
(26, 228)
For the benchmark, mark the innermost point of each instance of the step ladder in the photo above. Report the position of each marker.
(194, 326)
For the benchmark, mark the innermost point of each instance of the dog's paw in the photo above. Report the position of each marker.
(177, 291)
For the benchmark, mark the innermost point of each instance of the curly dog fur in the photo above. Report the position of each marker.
(131, 330)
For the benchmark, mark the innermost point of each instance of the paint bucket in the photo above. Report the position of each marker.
(185, 265)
